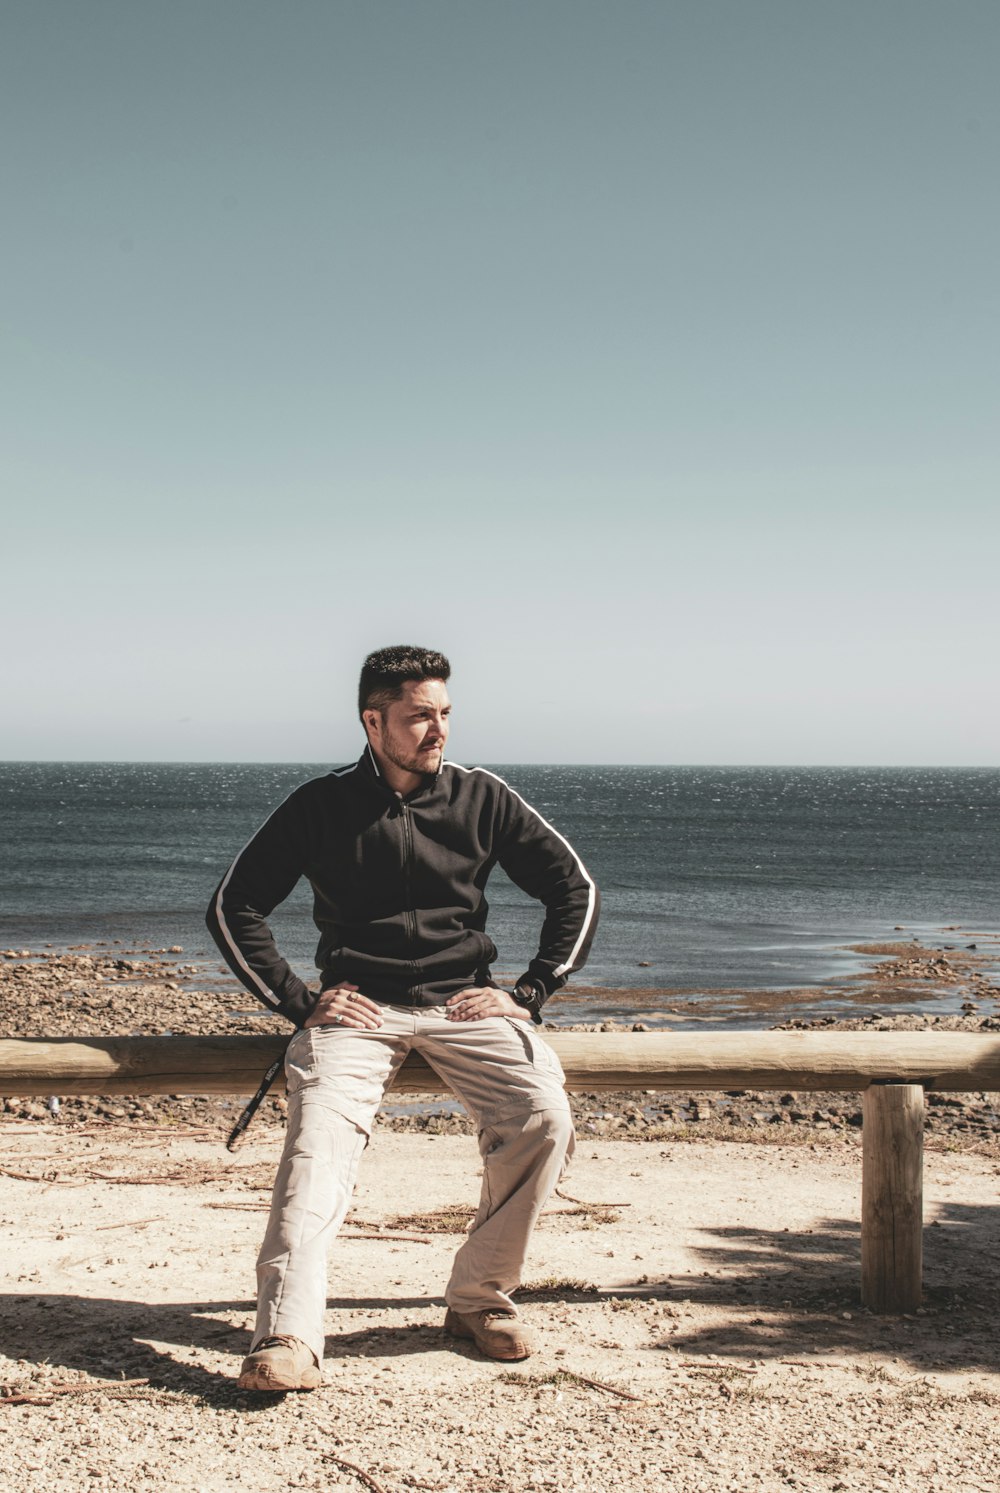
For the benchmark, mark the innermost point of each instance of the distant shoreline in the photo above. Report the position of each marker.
(898, 977)
(904, 986)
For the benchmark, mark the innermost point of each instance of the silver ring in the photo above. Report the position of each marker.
(338, 1018)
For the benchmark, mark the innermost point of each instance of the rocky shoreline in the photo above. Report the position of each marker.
(127, 992)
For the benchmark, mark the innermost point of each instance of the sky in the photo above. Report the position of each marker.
(642, 357)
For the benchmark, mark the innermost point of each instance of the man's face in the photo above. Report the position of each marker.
(411, 731)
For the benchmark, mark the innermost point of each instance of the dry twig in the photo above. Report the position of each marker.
(139, 1223)
(580, 1201)
(242, 1207)
(348, 1233)
(47, 1177)
(562, 1376)
(366, 1477)
(45, 1396)
(612, 1389)
(151, 1181)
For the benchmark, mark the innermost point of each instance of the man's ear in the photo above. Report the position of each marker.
(371, 720)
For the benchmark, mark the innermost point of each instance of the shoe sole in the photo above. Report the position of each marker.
(266, 1381)
(467, 1335)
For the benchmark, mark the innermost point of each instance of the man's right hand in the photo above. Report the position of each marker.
(344, 1005)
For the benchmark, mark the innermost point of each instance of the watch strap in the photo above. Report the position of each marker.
(529, 997)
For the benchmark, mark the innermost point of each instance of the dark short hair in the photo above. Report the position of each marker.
(385, 671)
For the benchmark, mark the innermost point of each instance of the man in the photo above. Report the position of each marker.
(398, 849)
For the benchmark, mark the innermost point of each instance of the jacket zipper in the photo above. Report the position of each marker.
(409, 915)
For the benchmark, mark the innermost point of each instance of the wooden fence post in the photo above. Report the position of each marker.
(892, 1197)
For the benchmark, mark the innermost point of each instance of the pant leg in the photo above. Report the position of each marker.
(523, 1160)
(336, 1077)
(511, 1081)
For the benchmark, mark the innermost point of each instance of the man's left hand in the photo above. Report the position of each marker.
(482, 1001)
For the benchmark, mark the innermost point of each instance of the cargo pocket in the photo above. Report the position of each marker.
(536, 1049)
(315, 1083)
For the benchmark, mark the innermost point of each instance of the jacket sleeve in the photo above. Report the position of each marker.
(545, 865)
(261, 876)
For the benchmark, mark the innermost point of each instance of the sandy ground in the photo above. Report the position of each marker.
(697, 1304)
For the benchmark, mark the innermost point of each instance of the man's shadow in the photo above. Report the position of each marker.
(114, 1339)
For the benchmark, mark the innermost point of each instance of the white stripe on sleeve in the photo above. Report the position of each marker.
(562, 969)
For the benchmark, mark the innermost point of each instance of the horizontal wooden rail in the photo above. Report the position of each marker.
(891, 1068)
(848, 1061)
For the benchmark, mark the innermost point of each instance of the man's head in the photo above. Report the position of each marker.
(404, 708)
(385, 671)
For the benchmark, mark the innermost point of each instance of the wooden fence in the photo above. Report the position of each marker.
(892, 1070)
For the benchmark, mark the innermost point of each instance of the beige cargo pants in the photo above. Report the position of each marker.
(509, 1080)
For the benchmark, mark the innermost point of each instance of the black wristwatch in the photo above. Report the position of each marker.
(529, 997)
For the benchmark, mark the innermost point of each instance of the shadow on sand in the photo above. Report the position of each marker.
(115, 1339)
(788, 1293)
(779, 1294)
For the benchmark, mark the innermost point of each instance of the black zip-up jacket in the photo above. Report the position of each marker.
(399, 888)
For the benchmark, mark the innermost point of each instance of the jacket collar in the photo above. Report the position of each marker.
(368, 764)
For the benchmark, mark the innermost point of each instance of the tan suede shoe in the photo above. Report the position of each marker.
(498, 1334)
(280, 1363)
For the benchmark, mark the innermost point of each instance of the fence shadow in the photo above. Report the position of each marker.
(795, 1292)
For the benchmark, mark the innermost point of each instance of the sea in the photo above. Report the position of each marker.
(729, 893)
